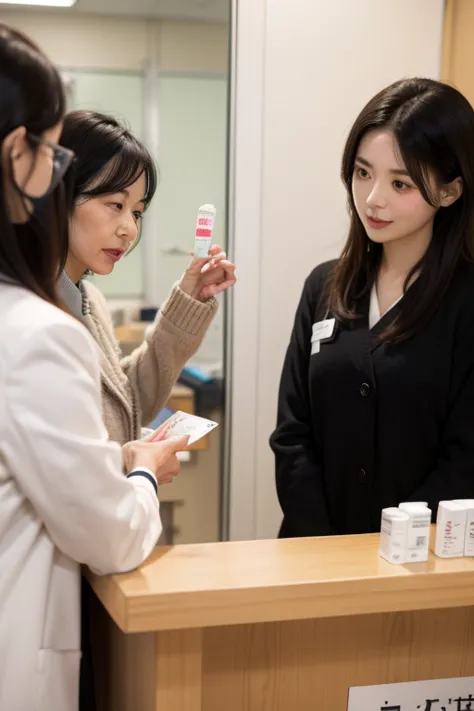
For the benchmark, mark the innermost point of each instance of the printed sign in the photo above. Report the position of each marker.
(434, 695)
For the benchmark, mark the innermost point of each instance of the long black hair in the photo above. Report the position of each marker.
(433, 126)
(31, 95)
(109, 158)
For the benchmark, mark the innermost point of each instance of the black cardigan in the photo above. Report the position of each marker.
(363, 425)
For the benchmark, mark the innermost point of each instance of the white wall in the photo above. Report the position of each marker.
(304, 69)
(99, 42)
(196, 46)
(84, 41)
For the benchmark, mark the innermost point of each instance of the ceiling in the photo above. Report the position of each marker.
(198, 10)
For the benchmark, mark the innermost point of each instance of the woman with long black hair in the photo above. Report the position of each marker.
(376, 401)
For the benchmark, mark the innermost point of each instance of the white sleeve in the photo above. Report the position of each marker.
(56, 446)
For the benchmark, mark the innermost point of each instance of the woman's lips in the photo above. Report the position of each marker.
(114, 254)
(378, 224)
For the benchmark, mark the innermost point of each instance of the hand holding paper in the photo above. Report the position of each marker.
(182, 424)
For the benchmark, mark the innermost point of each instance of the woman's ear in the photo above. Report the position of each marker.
(451, 192)
(17, 150)
(16, 162)
(15, 144)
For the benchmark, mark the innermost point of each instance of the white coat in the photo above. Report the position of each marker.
(63, 500)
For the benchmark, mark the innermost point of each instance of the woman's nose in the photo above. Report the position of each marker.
(129, 228)
(376, 197)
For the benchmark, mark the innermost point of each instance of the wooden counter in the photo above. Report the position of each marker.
(273, 625)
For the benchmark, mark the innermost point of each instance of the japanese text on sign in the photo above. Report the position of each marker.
(433, 695)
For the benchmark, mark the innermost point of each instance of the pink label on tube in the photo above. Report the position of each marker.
(204, 229)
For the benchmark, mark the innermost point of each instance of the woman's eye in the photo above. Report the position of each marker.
(400, 185)
(117, 205)
(138, 215)
(362, 173)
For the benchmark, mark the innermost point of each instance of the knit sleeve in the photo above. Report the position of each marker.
(154, 367)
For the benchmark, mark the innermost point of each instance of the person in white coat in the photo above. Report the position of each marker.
(64, 499)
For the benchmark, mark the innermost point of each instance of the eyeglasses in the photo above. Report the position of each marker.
(62, 160)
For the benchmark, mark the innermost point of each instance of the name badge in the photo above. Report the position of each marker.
(323, 329)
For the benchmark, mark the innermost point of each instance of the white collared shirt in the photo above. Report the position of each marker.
(374, 309)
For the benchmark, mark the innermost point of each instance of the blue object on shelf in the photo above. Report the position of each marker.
(208, 392)
(197, 373)
(148, 314)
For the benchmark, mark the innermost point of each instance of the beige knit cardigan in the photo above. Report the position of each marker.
(137, 387)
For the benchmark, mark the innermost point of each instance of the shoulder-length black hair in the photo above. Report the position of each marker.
(31, 95)
(433, 125)
(108, 156)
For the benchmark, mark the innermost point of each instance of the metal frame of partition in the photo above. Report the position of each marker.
(224, 509)
(247, 89)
